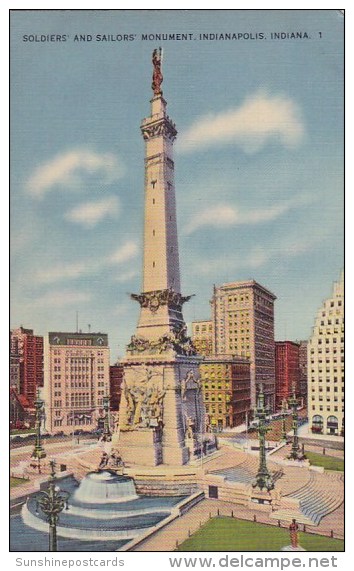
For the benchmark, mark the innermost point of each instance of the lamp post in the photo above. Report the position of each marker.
(263, 477)
(38, 451)
(284, 406)
(107, 435)
(52, 503)
(294, 453)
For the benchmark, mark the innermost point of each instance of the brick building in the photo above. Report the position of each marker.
(287, 370)
(26, 362)
(303, 370)
(226, 390)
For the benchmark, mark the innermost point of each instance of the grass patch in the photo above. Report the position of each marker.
(328, 462)
(228, 534)
(16, 481)
(23, 431)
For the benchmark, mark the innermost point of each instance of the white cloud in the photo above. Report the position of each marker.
(74, 270)
(221, 216)
(127, 276)
(69, 170)
(121, 308)
(256, 257)
(218, 216)
(126, 252)
(259, 119)
(88, 214)
(61, 298)
(61, 272)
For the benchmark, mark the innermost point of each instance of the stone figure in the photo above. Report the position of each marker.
(190, 430)
(189, 382)
(155, 402)
(104, 461)
(157, 77)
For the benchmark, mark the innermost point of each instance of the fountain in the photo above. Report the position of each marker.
(105, 486)
(104, 507)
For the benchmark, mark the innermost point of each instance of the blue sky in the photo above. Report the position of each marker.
(258, 160)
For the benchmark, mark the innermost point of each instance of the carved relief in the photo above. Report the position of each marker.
(177, 339)
(163, 127)
(144, 404)
(154, 299)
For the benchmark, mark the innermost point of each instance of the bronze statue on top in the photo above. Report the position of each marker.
(157, 77)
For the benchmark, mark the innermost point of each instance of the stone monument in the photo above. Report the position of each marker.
(161, 415)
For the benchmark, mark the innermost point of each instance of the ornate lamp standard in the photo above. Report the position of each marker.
(38, 451)
(52, 502)
(294, 453)
(263, 478)
(107, 434)
(284, 406)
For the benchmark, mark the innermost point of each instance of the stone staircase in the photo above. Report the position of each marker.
(320, 496)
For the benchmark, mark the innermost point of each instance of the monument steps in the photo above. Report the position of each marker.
(288, 514)
(321, 496)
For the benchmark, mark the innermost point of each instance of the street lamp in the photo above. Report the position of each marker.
(38, 451)
(294, 453)
(52, 503)
(107, 435)
(284, 406)
(263, 477)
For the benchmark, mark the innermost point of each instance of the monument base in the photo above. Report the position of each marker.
(144, 447)
(139, 447)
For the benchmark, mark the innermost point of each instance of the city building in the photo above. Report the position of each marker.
(303, 371)
(76, 380)
(15, 367)
(26, 362)
(243, 324)
(287, 371)
(22, 415)
(116, 375)
(202, 337)
(326, 366)
(226, 386)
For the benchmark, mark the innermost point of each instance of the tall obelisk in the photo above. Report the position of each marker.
(161, 416)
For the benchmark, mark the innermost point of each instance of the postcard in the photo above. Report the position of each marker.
(177, 283)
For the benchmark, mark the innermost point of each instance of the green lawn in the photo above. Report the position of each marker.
(16, 481)
(228, 534)
(328, 462)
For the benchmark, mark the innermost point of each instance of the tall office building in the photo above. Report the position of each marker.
(243, 324)
(287, 371)
(76, 380)
(202, 337)
(326, 366)
(27, 360)
(303, 371)
(226, 384)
